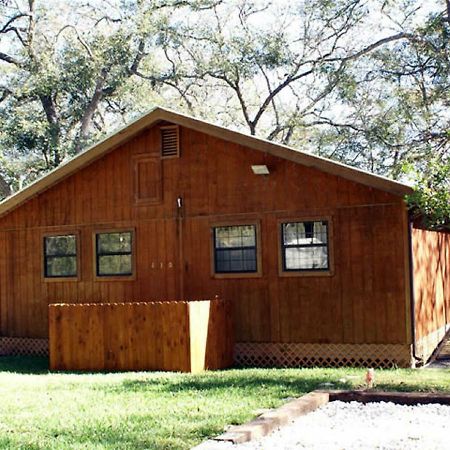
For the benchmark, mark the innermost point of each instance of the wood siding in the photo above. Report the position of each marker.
(431, 261)
(364, 301)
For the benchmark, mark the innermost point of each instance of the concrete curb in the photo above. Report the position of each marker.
(273, 419)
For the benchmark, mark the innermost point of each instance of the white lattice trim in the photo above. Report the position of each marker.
(262, 354)
(12, 346)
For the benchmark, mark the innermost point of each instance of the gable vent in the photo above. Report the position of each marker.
(170, 142)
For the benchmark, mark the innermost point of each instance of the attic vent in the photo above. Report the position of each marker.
(170, 142)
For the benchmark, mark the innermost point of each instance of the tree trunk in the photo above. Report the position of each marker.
(54, 129)
(86, 120)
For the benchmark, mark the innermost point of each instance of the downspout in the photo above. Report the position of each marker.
(411, 289)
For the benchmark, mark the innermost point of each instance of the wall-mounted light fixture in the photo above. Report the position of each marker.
(260, 170)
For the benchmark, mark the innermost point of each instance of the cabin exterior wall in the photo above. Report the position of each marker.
(364, 301)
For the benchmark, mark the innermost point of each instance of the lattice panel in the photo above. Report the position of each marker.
(15, 346)
(323, 355)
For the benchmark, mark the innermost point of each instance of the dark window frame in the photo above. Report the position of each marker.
(221, 222)
(309, 272)
(242, 248)
(97, 256)
(48, 277)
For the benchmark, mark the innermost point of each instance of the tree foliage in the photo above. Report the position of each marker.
(430, 203)
(68, 75)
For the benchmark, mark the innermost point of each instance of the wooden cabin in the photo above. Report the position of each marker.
(319, 260)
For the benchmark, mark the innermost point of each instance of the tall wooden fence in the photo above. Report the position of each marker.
(431, 263)
(187, 336)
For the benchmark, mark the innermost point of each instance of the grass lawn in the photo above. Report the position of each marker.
(149, 410)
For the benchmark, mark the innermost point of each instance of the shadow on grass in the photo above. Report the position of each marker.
(283, 381)
(24, 364)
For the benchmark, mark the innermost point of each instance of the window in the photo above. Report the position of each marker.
(235, 249)
(304, 246)
(114, 253)
(60, 256)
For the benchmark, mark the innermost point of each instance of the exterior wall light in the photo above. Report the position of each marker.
(260, 170)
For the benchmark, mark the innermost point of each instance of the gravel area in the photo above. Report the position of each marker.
(349, 426)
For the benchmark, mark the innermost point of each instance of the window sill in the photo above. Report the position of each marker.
(115, 278)
(306, 273)
(237, 275)
(60, 279)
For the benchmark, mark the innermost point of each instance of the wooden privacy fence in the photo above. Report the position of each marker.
(187, 336)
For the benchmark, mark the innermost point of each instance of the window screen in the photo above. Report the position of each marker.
(305, 246)
(235, 249)
(60, 256)
(114, 253)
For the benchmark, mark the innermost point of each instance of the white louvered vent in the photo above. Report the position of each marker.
(170, 142)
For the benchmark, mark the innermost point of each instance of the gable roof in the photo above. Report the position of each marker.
(158, 114)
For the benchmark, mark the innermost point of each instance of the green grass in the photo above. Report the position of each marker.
(156, 410)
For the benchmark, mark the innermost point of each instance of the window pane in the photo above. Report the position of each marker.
(320, 233)
(249, 260)
(61, 266)
(236, 260)
(60, 245)
(235, 236)
(290, 232)
(229, 261)
(305, 233)
(114, 265)
(114, 243)
(302, 258)
(223, 265)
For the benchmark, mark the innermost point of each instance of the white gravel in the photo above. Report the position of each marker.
(349, 426)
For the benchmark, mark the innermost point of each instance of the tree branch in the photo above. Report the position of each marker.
(373, 46)
(10, 59)
(79, 38)
(4, 29)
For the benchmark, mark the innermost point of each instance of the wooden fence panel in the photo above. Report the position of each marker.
(177, 336)
(219, 342)
(431, 263)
